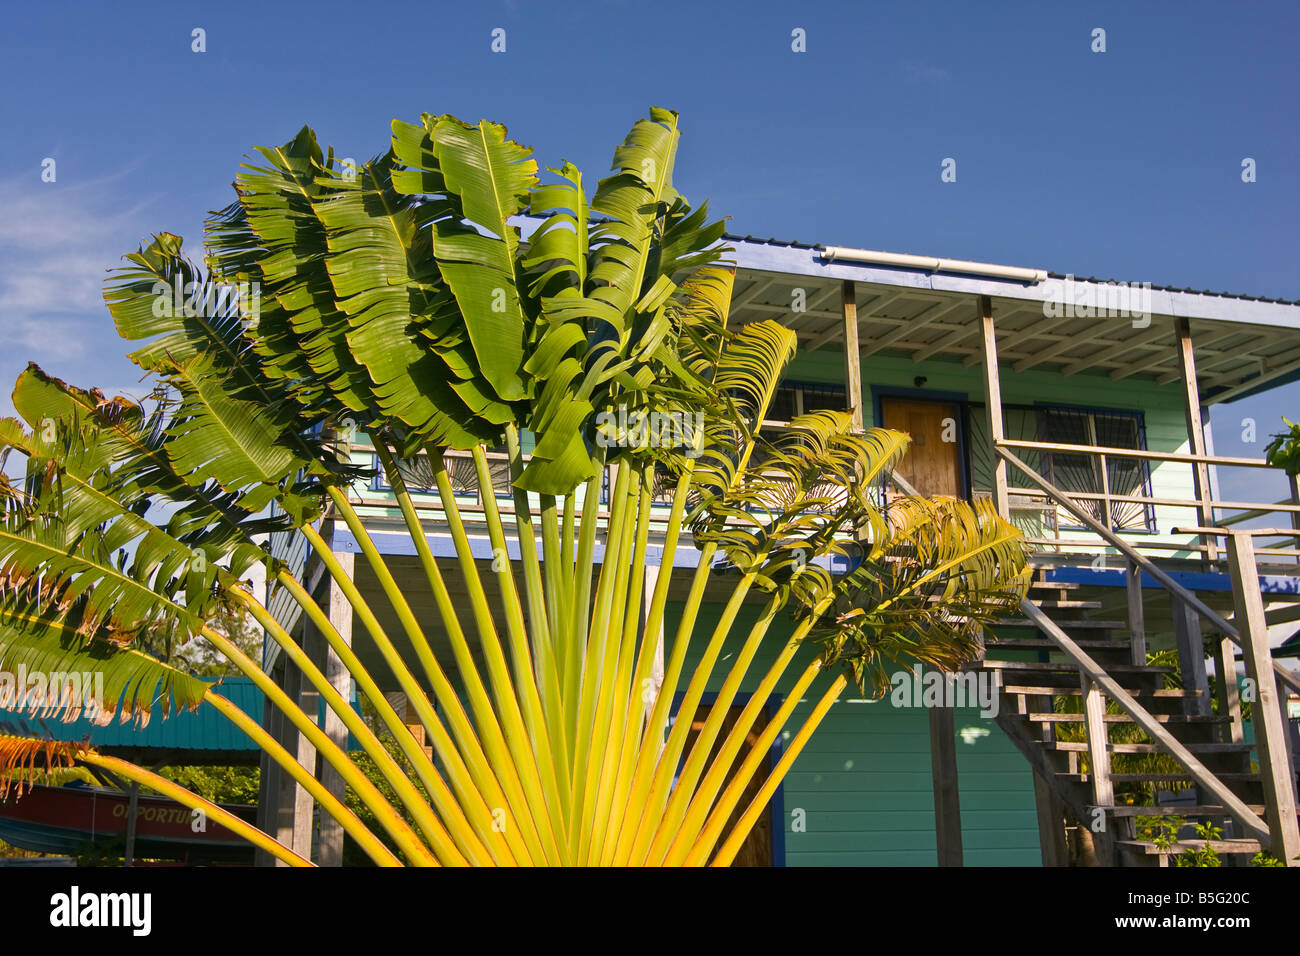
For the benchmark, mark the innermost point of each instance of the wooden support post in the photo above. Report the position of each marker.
(1195, 433)
(1137, 634)
(852, 353)
(1103, 789)
(1271, 737)
(1051, 823)
(1094, 725)
(303, 804)
(947, 801)
(1041, 704)
(1229, 694)
(1294, 482)
(1191, 656)
(993, 404)
(293, 826)
(132, 822)
(330, 851)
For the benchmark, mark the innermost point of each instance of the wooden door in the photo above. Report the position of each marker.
(757, 848)
(932, 464)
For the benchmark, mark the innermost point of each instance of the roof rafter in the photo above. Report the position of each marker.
(831, 333)
(1159, 358)
(1149, 336)
(936, 310)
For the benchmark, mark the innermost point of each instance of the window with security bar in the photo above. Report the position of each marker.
(1082, 472)
(799, 398)
(418, 474)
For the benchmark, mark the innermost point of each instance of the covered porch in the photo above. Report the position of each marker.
(1081, 409)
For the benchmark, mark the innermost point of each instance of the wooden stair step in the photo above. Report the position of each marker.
(1065, 604)
(1163, 777)
(1126, 719)
(1064, 625)
(1082, 747)
(1243, 845)
(1076, 691)
(1171, 810)
(1070, 666)
(1043, 643)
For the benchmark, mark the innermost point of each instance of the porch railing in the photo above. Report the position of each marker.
(1102, 502)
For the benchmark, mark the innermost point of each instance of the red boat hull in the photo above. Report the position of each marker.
(77, 819)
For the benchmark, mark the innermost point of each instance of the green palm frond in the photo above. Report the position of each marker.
(37, 637)
(489, 178)
(940, 571)
(641, 184)
(273, 235)
(197, 342)
(132, 443)
(387, 284)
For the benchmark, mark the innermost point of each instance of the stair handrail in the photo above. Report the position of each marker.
(1203, 776)
(1146, 564)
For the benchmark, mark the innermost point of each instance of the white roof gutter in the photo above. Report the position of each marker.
(931, 264)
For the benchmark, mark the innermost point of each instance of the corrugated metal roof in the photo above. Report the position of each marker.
(202, 729)
(792, 244)
(1171, 288)
(795, 244)
(196, 731)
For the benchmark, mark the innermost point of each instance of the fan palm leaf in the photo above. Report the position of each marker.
(401, 298)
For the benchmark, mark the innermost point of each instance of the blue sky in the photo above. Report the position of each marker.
(1122, 164)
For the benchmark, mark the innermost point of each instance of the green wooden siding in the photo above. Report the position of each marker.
(863, 781)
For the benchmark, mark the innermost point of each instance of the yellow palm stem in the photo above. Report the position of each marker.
(414, 802)
(594, 657)
(667, 766)
(389, 818)
(731, 846)
(514, 730)
(557, 600)
(474, 803)
(507, 792)
(702, 801)
(684, 788)
(699, 848)
(641, 683)
(622, 712)
(415, 694)
(336, 808)
(526, 676)
(616, 665)
(651, 745)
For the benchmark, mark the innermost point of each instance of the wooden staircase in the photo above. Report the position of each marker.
(1057, 717)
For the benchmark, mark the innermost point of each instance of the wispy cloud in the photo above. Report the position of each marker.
(924, 72)
(56, 242)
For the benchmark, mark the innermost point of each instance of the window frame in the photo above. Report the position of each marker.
(1138, 417)
(799, 386)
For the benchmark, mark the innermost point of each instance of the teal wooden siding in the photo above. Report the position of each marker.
(1160, 405)
(863, 781)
